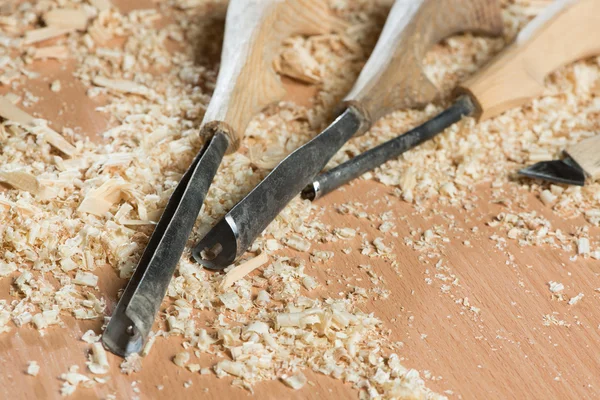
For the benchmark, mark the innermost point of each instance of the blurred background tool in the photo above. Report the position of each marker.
(580, 160)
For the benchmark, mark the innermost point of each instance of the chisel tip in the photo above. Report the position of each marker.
(219, 249)
(559, 171)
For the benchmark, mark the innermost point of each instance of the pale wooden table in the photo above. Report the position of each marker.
(504, 351)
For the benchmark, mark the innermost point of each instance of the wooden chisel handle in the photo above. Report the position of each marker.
(393, 77)
(566, 31)
(247, 82)
(587, 154)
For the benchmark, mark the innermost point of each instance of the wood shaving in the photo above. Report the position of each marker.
(51, 52)
(574, 300)
(122, 86)
(33, 368)
(66, 18)
(90, 337)
(181, 359)
(244, 269)
(43, 34)
(131, 364)
(556, 287)
(98, 363)
(10, 112)
(296, 381)
(22, 181)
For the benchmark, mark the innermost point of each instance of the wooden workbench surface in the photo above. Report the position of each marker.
(495, 345)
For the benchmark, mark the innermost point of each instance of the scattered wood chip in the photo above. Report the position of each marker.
(99, 361)
(181, 359)
(90, 337)
(42, 34)
(296, 381)
(575, 300)
(298, 63)
(55, 86)
(99, 201)
(12, 113)
(556, 287)
(101, 5)
(21, 181)
(66, 18)
(85, 279)
(55, 52)
(33, 368)
(243, 269)
(121, 86)
(131, 364)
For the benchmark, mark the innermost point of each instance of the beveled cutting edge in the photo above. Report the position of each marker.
(371, 159)
(133, 317)
(557, 171)
(235, 233)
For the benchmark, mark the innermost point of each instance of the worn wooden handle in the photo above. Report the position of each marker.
(587, 154)
(566, 31)
(247, 81)
(393, 77)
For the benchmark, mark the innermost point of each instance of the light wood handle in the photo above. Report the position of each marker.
(247, 82)
(393, 77)
(566, 31)
(587, 154)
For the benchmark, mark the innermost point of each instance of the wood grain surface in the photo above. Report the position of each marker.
(502, 351)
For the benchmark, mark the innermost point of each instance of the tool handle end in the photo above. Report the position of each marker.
(393, 77)
(566, 31)
(247, 82)
(587, 155)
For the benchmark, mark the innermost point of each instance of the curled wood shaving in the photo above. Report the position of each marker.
(99, 361)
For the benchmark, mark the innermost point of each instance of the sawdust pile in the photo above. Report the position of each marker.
(71, 212)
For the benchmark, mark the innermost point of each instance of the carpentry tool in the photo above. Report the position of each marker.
(558, 36)
(580, 160)
(246, 84)
(392, 79)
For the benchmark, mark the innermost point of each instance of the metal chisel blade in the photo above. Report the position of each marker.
(235, 233)
(134, 315)
(373, 158)
(558, 171)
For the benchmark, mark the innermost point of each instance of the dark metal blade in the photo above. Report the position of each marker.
(134, 315)
(230, 238)
(558, 171)
(370, 159)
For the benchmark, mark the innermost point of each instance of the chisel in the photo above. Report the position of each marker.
(254, 31)
(580, 160)
(392, 79)
(561, 34)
